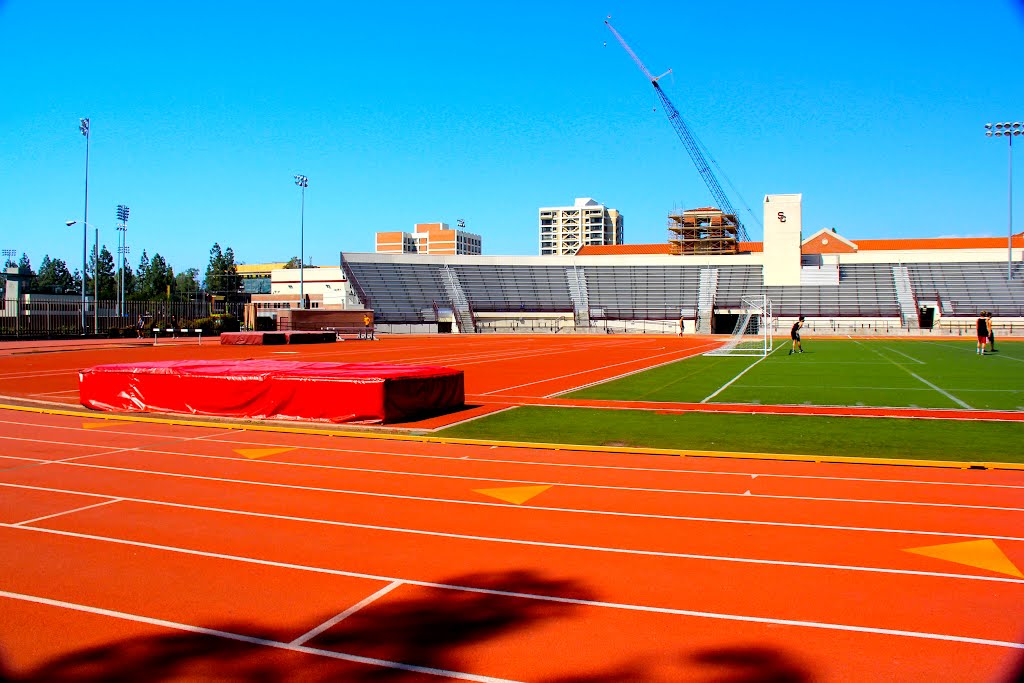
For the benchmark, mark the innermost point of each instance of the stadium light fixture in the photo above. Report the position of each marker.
(122, 249)
(1009, 130)
(303, 182)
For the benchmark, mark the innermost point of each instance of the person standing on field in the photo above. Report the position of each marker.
(991, 332)
(982, 325)
(794, 335)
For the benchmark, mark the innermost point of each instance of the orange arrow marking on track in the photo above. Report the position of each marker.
(96, 425)
(253, 453)
(983, 554)
(514, 494)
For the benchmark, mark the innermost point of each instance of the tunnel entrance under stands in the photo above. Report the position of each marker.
(724, 323)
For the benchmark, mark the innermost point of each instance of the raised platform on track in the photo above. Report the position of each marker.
(276, 338)
(274, 389)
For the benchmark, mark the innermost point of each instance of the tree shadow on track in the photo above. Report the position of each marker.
(427, 629)
(733, 664)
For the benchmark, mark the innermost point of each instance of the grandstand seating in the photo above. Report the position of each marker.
(515, 288)
(407, 293)
(638, 292)
(401, 292)
(965, 289)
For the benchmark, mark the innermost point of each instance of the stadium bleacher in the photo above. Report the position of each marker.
(408, 292)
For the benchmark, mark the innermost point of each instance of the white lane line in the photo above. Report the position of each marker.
(334, 621)
(560, 546)
(56, 393)
(520, 509)
(528, 596)
(68, 512)
(530, 482)
(511, 461)
(177, 626)
(743, 372)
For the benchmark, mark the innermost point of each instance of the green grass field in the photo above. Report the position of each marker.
(893, 373)
(890, 373)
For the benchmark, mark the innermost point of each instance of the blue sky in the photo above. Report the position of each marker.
(419, 112)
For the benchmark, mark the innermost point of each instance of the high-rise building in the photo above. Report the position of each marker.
(564, 230)
(429, 238)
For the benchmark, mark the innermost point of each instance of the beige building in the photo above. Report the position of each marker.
(429, 238)
(564, 230)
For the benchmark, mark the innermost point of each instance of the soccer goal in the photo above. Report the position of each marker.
(752, 335)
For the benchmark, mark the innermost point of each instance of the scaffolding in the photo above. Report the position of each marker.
(703, 231)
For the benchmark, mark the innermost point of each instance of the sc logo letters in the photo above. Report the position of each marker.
(782, 217)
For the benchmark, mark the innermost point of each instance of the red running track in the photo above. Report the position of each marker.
(143, 550)
(500, 371)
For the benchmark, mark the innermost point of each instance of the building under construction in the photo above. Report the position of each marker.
(703, 231)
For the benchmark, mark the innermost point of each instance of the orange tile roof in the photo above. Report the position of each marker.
(938, 243)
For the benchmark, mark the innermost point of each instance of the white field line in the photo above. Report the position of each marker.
(676, 355)
(334, 621)
(942, 391)
(632, 372)
(400, 454)
(177, 626)
(520, 482)
(636, 552)
(911, 358)
(743, 372)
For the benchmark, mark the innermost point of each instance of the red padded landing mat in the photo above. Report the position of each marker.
(268, 338)
(252, 338)
(262, 389)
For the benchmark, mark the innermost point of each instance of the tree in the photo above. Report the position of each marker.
(293, 262)
(158, 277)
(54, 276)
(24, 265)
(222, 273)
(186, 283)
(129, 279)
(215, 269)
(141, 277)
(105, 276)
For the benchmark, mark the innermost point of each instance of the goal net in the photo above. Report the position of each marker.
(752, 335)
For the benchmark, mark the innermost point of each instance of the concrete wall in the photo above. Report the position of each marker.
(783, 223)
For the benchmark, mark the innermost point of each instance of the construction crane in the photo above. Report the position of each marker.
(687, 138)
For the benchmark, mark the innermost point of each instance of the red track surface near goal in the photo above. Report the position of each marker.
(142, 551)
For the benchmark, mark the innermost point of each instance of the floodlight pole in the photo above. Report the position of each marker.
(122, 250)
(1010, 130)
(303, 182)
(83, 126)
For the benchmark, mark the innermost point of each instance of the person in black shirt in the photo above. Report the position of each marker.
(991, 332)
(982, 325)
(794, 334)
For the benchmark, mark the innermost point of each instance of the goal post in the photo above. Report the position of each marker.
(752, 335)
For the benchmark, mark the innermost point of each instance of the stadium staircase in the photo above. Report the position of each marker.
(460, 303)
(706, 299)
(577, 280)
(905, 297)
(819, 276)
